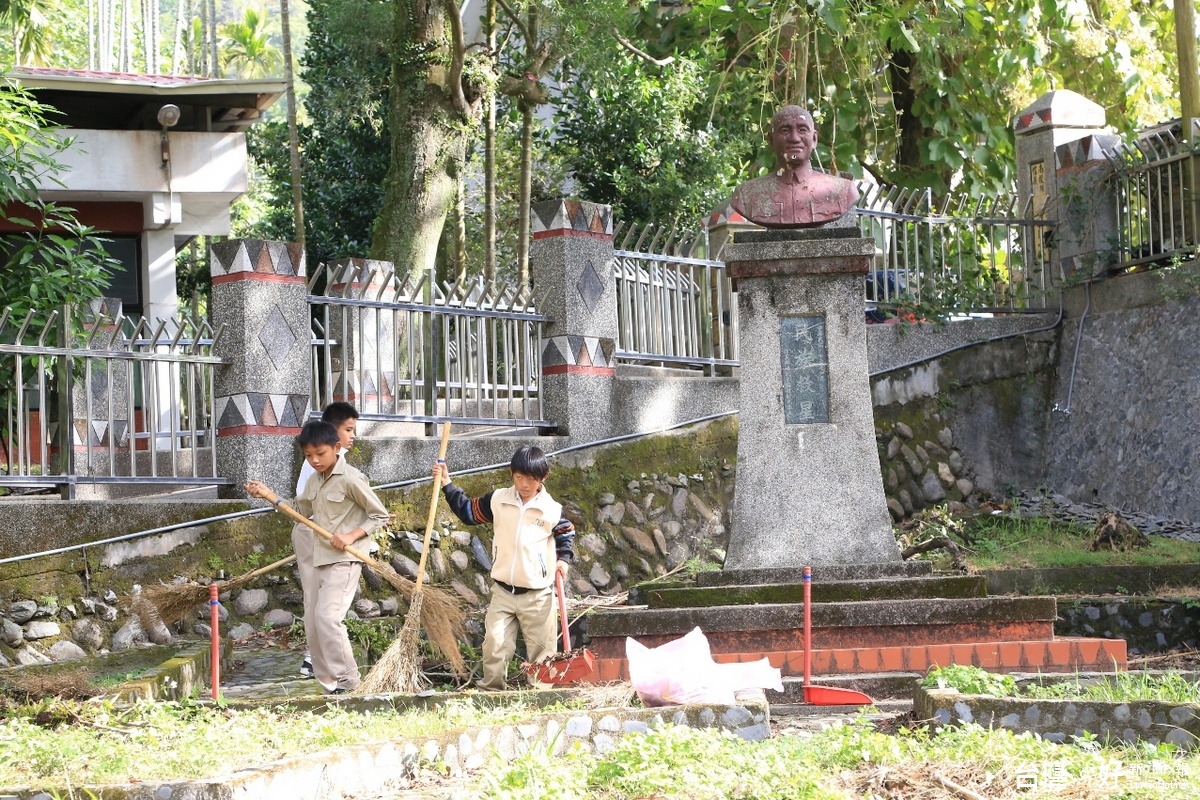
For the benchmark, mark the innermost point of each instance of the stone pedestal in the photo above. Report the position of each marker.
(809, 488)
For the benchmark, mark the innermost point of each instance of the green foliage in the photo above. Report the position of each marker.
(639, 138)
(246, 49)
(970, 680)
(99, 741)
(372, 637)
(56, 259)
(343, 137)
(537, 772)
(1012, 541)
(922, 94)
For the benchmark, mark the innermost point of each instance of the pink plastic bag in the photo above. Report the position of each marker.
(683, 671)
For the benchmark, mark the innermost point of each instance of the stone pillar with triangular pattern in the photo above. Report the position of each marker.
(571, 265)
(262, 391)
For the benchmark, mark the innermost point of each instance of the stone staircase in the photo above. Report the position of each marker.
(866, 619)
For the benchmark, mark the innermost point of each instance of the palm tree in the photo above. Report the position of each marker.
(247, 49)
(289, 74)
(30, 21)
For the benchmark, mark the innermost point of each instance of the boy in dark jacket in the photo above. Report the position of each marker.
(530, 541)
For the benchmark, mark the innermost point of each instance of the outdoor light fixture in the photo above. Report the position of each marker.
(168, 117)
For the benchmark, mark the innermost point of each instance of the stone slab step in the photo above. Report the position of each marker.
(825, 572)
(780, 712)
(944, 586)
(874, 623)
(896, 686)
(1048, 655)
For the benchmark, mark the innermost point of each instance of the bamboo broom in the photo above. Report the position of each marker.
(174, 602)
(443, 613)
(398, 669)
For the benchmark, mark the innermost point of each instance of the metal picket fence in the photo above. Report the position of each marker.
(96, 397)
(675, 306)
(409, 350)
(962, 255)
(1155, 207)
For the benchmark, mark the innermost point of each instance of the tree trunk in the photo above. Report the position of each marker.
(908, 167)
(293, 136)
(526, 194)
(489, 158)
(428, 139)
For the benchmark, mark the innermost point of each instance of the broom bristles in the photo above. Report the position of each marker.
(174, 603)
(441, 614)
(398, 669)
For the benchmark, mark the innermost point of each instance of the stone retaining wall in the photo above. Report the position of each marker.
(1148, 625)
(1060, 720)
(634, 519)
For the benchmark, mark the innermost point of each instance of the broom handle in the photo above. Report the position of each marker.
(273, 498)
(263, 570)
(433, 501)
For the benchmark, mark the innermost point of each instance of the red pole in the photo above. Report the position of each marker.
(562, 610)
(215, 624)
(807, 626)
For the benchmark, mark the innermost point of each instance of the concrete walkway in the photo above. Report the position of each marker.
(262, 668)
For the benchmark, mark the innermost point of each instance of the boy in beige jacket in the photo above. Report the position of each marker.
(530, 541)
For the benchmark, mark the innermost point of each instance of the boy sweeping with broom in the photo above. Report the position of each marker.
(338, 499)
(530, 540)
(344, 417)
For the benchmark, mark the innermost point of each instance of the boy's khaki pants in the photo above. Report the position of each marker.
(533, 612)
(328, 593)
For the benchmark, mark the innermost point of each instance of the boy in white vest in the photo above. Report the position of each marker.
(530, 541)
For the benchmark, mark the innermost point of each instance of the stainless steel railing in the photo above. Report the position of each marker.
(408, 350)
(674, 306)
(92, 398)
(1155, 206)
(962, 256)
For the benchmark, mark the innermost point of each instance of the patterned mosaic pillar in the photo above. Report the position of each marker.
(100, 400)
(365, 374)
(262, 392)
(571, 262)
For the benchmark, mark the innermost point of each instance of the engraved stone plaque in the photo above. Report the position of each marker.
(805, 370)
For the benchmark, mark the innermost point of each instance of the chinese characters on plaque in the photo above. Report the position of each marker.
(805, 370)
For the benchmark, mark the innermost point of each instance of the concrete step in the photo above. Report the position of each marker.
(872, 623)
(828, 591)
(820, 573)
(896, 686)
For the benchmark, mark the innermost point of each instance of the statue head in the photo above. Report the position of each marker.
(793, 137)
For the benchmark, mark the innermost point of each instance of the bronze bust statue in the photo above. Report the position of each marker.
(795, 195)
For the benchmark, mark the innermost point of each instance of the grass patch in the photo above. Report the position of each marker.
(57, 743)
(849, 761)
(1009, 541)
(1125, 687)
(1168, 686)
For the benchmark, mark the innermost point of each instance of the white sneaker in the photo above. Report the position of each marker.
(306, 670)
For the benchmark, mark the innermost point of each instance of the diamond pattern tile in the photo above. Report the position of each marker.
(590, 286)
(276, 337)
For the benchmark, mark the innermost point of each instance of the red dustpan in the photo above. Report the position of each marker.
(570, 665)
(822, 695)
